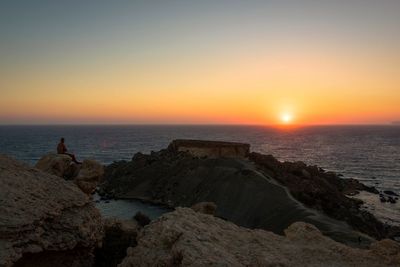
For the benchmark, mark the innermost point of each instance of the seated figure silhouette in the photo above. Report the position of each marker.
(62, 149)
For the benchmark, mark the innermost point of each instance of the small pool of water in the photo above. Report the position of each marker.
(126, 209)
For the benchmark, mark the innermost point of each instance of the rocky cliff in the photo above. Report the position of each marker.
(45, 220)
(259, 192)
(187, 238)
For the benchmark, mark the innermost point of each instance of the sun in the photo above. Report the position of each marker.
(286, 118)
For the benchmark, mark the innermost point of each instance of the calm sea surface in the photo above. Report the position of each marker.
(368, 153)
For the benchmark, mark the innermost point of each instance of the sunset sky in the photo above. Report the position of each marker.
(200, 62)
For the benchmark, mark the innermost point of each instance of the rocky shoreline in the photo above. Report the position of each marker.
(245, 211)
(257, 192)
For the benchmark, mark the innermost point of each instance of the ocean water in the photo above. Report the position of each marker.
(370, 154)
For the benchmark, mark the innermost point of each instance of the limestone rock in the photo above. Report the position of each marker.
(44, 219)
(86, 176)
(89, 175)
(205, 207)
(56, 164)
(187, 238)
(245, 192)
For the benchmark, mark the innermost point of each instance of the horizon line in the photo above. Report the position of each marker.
(198, 124)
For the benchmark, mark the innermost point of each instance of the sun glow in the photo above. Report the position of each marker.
(286, 118)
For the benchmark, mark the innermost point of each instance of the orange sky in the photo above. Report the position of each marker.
(226, 75)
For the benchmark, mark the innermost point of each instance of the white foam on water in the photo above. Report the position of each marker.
(385, 212)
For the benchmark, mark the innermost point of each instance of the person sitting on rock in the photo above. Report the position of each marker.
(62, 149)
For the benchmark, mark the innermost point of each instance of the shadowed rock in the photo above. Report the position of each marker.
(205, 207)
(118, 236)
(89, 175)
(45, 220)
(56, 164)
(324, 191)
(86, 176)
(259, 192)
(187, 238)
(142, 219)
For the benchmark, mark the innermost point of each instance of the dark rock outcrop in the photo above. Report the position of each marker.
(242, 195)
(142, 219)
(205, 207)
(45, 220)
(323, 191)
(187, 238)
(118, 236)
(242, 191)
(249, 192)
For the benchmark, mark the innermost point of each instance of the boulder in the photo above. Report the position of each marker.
(56, 164)
(205, 207)
(45, 220)
(141, 218)
(187, 238)
(85, 175)
(89, 175)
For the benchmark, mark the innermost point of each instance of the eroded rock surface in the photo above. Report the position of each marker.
(205, 207)
(44, 219)
(89, 175)
(325, 191)
(54, 164)
(242, 195)
(187, 238)
(86, 175)
(259, 192)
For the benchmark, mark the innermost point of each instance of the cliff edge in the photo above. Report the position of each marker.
(187, 238)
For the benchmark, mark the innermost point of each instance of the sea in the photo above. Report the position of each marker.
(370, 154)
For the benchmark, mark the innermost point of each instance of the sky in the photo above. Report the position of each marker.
(199, 62)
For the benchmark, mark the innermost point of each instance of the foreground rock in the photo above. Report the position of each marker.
(55, 164)
(118, 236)
(86, 176)
(187, 238)
(45, 220)
(205, 207)
(89, 176)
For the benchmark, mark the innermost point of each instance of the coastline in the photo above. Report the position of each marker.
(256, 196)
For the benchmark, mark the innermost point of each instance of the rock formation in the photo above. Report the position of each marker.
(187, 238)
(45, 220)
(324, 191)
(89, 175)
(205, 207)
(118, 236)
(55, 164)
(243, 195)
(86, 176)
(250, 192)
